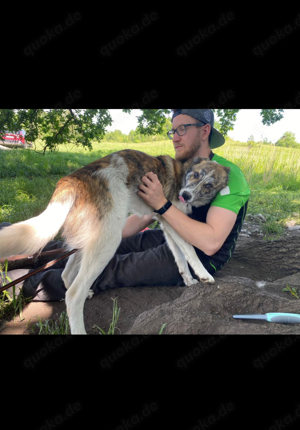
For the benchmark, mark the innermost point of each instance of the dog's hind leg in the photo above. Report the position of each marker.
(71, 270)
(95, 256)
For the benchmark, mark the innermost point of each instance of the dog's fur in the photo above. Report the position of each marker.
(92, 205)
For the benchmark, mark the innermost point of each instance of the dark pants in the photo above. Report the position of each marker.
(140, 260)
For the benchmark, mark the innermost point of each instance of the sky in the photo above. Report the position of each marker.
(248, 123)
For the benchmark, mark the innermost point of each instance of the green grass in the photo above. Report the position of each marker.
(28, 179)
(292, 290)
(113, 324)
(59, 326)
(273, 174)
(11, 303)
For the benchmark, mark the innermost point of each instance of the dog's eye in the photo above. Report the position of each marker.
(196, 175)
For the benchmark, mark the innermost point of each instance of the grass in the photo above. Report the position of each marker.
(162, 328)
(28, 179)
(10, 303)
(273, 174)
(292, 290)
(113, 324)
(59, 326)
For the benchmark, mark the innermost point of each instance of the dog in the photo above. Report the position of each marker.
(92, 205)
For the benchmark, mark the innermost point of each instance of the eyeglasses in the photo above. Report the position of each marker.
(182, 129)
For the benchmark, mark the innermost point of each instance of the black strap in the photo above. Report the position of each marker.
(164, 209)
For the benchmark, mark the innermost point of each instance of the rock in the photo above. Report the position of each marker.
(291, 225)
(205, 309)
(252, 282)
(261, 218)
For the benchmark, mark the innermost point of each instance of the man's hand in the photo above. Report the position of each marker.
(151, 191)
(134, 224)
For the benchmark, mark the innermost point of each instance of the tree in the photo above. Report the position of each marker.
(116, 136)
(251, 140)
(288, 140)
(57, 126)
(81, 126)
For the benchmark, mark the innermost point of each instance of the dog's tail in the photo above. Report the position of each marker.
(32, 235)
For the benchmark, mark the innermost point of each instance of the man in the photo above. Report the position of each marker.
(144, 258)
(212, 229)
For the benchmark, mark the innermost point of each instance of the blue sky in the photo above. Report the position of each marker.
(248, 123)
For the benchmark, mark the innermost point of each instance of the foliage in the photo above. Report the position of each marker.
(288, 140)
(227, 119)
(82, 126)
(57, 126)
(270, 116)
(151, 121)
(250, 140)
(135, 136)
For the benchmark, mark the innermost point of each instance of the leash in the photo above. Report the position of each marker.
(31, 259)
(46, 266)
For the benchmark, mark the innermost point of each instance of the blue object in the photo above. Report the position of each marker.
(275, 317)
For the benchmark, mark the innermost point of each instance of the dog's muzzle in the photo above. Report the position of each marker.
(185, 197)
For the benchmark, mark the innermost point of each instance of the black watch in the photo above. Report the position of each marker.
(164, 209)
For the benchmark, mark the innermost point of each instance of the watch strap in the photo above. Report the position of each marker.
(164, 209)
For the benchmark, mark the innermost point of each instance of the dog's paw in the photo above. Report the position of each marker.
(190, 281)
(90, 294)
(207, 279)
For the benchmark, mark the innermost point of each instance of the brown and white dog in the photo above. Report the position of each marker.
(92, 205)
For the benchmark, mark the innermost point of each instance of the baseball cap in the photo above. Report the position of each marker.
(207, 116)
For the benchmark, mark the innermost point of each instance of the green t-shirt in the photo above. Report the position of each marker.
(237, 192)
(234, 197)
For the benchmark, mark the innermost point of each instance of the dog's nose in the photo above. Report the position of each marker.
(187, 196)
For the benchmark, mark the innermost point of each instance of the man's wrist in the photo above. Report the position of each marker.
(164, 208)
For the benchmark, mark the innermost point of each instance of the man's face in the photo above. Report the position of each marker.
(188, 145)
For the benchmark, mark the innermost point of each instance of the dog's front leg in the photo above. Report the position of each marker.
(180, 260)
(190, 255)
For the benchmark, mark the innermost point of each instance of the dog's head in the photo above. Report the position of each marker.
(202, 181)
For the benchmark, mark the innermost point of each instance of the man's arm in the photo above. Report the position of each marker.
(134, 224)
(209, 236)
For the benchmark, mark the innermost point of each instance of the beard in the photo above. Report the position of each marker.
(187, 154)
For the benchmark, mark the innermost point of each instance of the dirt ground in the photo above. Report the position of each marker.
(252, 282)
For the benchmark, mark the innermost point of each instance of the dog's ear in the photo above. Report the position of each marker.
(199, 160)
(227, 169)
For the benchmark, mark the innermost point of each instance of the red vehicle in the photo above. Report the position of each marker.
(14, 140)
